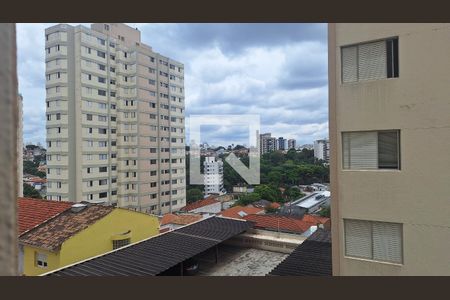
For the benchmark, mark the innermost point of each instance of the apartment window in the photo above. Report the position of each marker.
(381, 241)
(151, 70)
(107, 28)
(102, 118)
(113, 94)
(112, 69)
(41, 260)
(153, 161)
(369, 150)
(120, 243)
(103, 182)
(101, 93)
(113, 168)
(101, 79)
(152, 184)
(152, 173)
(58, 184)
(103, 169)
(88, 170)
(101, 54)
(101, 67)
(102, 130)
(113, 119)
(103, 156)
(103, 195)
(370, 61)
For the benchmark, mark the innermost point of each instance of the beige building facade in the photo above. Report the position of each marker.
(115, 119)
(390, 164)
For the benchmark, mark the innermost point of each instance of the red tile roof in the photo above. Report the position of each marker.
(275, 205)
(182, 219)
(315, 219)
(200, 203)
(33, 212)
(233, 212)
(53, 233)
(281, 223)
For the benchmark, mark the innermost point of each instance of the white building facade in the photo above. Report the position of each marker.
(213, 176)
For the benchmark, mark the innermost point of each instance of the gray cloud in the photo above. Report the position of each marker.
(278, 71)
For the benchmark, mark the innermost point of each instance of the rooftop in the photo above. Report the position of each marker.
(56, 231)
(181, 219)
(313, 199)
(239, 212)
(280, 223)
(200, 203)
(311, 258)
(33, 212)
(160, 253)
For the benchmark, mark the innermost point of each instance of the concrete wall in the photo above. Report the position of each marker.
(8, 150)
(417, 103)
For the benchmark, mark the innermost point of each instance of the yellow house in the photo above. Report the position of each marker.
(82, 232)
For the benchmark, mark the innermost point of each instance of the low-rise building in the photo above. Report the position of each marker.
(313, 202)
(209, 206)
(173, 221)
(239, 212)
(78, 232)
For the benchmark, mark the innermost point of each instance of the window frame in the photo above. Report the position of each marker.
(399, 156)
(396, 63)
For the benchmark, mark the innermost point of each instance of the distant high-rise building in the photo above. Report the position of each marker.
(115, 119)
(213, 174)
(291, 144)
(322, 149)
(267, 143)
(281, 144)
(20, 147)
(389, 133)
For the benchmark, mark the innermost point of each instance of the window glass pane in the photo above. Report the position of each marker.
(360, 150)
(358, 238)
(372, 61)
(388, 156)
(349, 64)
(387, 242)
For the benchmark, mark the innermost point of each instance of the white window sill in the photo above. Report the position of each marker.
(374, 261)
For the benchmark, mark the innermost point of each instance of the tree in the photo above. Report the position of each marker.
(325, 212)
(270, 210)
(247, 199)
(293, 193)
(269, 192)
(30, 192)
(194, 195)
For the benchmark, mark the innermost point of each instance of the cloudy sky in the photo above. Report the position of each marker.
(276, 71)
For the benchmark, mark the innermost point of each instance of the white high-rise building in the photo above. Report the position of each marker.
(115, 119)
(213, 174)
(322, 149)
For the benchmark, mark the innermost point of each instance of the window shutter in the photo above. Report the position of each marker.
(358, 238)
(388, 157)
(349, 64)
(387, 241)
(363, 150)
(372, 61)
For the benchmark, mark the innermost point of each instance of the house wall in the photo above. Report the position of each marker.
(95, 240)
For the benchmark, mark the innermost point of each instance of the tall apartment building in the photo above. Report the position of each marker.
(322, 149)
(115, 119)
(213, 176)
(281, 143)
(291, 144)
(389, 105)
(267, 143)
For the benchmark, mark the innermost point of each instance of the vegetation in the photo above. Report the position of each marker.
(30, 192)
(30, 167)
(279, 171)
(325, 212)
(193, 195)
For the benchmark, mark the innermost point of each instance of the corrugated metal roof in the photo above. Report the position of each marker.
(311, 258)
(158, 254)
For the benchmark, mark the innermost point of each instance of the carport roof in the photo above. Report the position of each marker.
(157, 254)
